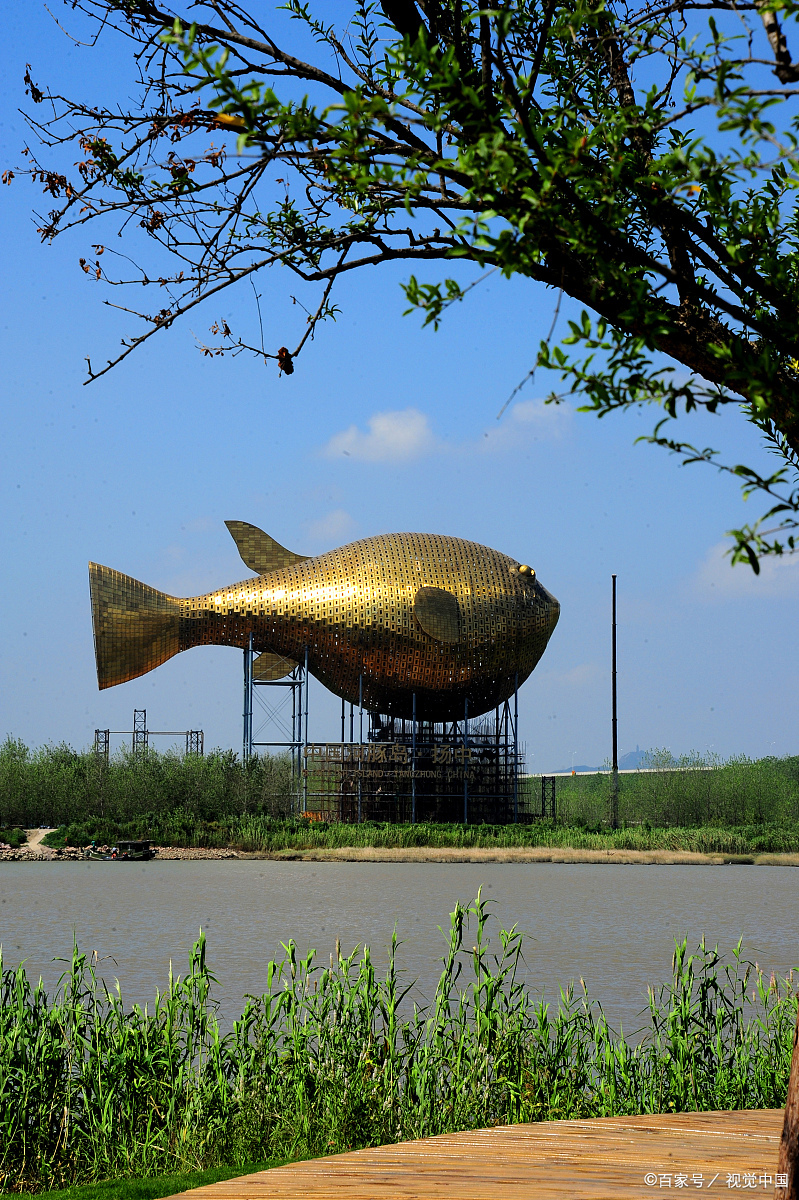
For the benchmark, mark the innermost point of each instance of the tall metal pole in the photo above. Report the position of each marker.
(248, 676)
(246, 749)
(498, 790)
(360, 757)
(342, 718)
(294, 771)
(516, 749)
(352, 722)
(466, 761)
(413, 764)
(296, 733)
(360, 707)
(306, 696)
(305, 742)
(614, 785)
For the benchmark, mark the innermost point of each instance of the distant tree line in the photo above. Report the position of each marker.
(183, 798)
(687, 792)
(56, 785)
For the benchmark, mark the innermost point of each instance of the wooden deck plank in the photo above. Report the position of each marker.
(602, 1159)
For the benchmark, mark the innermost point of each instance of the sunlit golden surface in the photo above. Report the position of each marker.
(446, 619)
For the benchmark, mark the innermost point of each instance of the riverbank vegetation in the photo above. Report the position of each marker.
(13, 838)
(261, 833)
(692, 790)
(333, 1058)
(741, 806)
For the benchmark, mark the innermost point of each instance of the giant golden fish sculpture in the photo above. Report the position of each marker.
(395, 615)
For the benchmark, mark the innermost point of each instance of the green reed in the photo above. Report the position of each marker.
(332, 1057)
(261, 832)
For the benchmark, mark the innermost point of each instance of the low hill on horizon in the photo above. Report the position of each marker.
(631, 761)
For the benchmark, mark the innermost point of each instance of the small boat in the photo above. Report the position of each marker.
(124, 852)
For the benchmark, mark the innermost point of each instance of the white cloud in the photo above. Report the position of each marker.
(336, 526)
(404, 435)
(551, 419)
(717, 580)
(393, 437)
(529, 419)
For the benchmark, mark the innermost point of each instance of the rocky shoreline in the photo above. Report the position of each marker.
(39, 853)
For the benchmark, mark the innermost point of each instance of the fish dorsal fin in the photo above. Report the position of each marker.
(268, 667)
(260, 552)
(437, 612)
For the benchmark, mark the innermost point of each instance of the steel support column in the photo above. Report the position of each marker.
(246, 745)
(413, 764)
(360, 760)
(305, 742)
(466, 762)
(516, 749)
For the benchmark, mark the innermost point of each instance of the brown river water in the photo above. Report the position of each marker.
(614, 926)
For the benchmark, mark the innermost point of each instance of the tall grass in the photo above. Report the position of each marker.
(263, 833)
(332, 1057)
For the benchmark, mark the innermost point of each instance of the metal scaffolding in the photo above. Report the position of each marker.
(102, 743)
(410, 770)
(139, 732)
(195, 741)
(282, 706)
(195, 738)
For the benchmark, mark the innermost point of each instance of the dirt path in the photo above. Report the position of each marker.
(35, 836)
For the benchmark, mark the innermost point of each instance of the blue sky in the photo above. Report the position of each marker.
(140, 469)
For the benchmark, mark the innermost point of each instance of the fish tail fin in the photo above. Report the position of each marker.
(136, 628)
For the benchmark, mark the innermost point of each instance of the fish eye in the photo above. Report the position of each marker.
(526, 571)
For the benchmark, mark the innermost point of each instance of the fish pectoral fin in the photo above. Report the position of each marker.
(260, 552)
(268, 667)
(437, 612)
